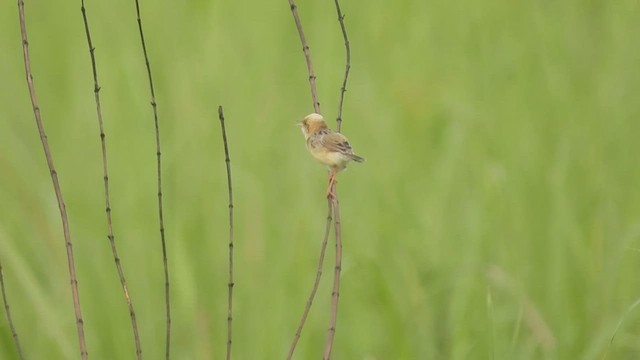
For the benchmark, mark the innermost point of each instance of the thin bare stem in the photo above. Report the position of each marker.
(347, 67)
(107, 198)
(7, 311)
(230, 284)
(335, 294)
(165, 262)
(56, 184)
(316, 283)
(307, 56)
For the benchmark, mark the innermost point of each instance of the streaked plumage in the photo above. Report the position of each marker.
(327, 146)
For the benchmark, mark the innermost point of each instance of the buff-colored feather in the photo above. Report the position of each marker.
(327, 146)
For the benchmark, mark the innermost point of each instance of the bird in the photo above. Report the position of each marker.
(327, 146)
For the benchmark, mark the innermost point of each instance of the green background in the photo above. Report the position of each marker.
(497, 215)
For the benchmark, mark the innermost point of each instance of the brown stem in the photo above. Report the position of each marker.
(107, 198)
(347, 67)
(335, 294)
(56, 184)
(316, 283)
(7, 311)
(307, 56)
(230, 284)
(165, 262)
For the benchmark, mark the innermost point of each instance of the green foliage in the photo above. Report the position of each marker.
(499, 201)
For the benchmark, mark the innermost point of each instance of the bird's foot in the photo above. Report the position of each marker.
(332, 183)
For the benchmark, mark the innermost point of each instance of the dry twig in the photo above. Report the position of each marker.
(347, 67)
(332, 203)
(165, 263)
(107, 198)
(56, 184)
(230, 190)
(335, 294)
(7, 311)
(316, 283)
(307, 56)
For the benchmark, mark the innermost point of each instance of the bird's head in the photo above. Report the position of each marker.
(311, 123)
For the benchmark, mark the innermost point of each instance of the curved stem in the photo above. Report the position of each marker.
(167, 293)
(230, 284)
(7, 311)
(107, 197)
(56, 185)
(347, 67)
(335, 294)
(307, 56)
(316, 283)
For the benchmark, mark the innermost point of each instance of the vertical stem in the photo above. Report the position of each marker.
(316, 283)
(307, 56)
(335, 294)
(343, 89)
(56, 185)
(7, 311)
(230, 190)
(165, 264)
(107, 198)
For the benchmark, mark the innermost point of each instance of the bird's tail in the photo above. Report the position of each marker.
(356, 158)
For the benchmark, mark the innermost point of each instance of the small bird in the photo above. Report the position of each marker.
(327, 146)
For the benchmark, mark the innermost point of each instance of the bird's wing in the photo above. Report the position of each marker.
(337, 142)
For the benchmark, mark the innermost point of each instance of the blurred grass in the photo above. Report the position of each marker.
(500, 136)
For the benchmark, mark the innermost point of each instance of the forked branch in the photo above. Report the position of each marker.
(56, 184)
(107, 198)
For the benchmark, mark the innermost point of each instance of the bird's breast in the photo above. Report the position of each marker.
(330, 158)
